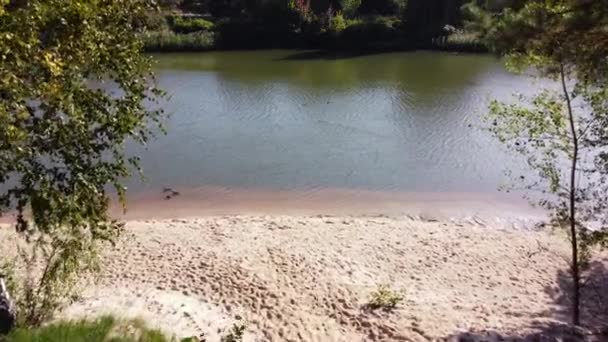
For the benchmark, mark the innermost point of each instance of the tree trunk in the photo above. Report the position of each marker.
(576, 276)
(7, 310)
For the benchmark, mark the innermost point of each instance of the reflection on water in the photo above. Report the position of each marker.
(294, 121)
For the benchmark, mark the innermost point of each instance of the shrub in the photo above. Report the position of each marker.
(153, 21)
(350, 7)
(190, 25)
(235, 334)
(48, 279)
(371, 30)
(169, 41)
(338, 23)
(459, 41)
(385, 298)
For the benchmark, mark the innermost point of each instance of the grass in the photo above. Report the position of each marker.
(104, 329)
(385, 298)
(459, 41)
(168, 41)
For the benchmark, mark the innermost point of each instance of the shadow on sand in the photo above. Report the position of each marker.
(594, 313)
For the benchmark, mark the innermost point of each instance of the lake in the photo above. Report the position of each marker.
(302, 123)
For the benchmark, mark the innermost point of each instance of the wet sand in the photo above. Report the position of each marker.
(489, 208)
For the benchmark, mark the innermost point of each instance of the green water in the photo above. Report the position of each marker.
(293, 120)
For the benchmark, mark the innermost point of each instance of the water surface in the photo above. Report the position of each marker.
(306, 122)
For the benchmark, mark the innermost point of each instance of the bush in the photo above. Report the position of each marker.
(153, 21)
(338, 23)
(41, 276)
(190, 25)
(385, 298)
(235, 334)
(459, 41)
(101, 330)
(350, 7)
(169, 41)
(370, 32)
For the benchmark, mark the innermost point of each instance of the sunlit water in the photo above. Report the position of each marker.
(292, 121)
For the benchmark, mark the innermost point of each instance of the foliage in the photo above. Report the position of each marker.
(152, 21)
(427, 19)
(302, 9)
(459, 40)
(372, 30)
(171, 4)
(561, 132)
(338, 23)
(235, 334)
(243, 24)
(62, 132)
(169, 41)
(350, 7)
(383, 7)
(104, 329)
(571, 31)
(188, 25)
(250, 33)
(385, 298)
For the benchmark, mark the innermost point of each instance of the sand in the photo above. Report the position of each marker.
(309, 278)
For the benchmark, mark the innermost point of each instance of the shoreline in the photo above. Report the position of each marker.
(491, 208)
(323, 51)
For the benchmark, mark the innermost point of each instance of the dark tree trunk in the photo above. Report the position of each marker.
(576, 272)
(7, 310)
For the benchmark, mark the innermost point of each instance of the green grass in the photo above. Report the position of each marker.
(190, 25)
(105, 329)
(168, 41)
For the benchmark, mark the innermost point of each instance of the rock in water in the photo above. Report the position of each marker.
(7, 312)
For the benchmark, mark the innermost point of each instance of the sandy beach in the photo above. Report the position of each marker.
(309, 278)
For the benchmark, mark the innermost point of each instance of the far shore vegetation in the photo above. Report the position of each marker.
(344, 25)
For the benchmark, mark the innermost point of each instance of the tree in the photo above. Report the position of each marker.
(74, 88)
(427, 18)
(350, 7)
(7, 312)
(562, 132)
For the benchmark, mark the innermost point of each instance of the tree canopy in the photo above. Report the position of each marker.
(563, 132)
(74, 88)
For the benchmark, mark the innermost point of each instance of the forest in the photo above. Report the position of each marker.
(320, 24)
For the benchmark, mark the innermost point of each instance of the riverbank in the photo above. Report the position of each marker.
(309, 278)
(167, 41)
(497, 210)
(354, 35)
